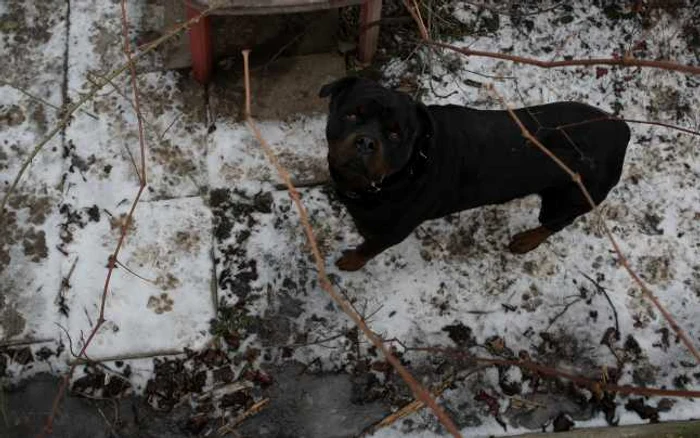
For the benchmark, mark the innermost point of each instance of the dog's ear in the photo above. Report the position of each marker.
(335, 87)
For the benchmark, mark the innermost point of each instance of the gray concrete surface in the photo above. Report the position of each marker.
(26, 407)
(312, 406)
(302, 405)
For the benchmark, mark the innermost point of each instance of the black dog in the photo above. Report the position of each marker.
(396, 163)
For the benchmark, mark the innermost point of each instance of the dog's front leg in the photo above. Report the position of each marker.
(354, 259)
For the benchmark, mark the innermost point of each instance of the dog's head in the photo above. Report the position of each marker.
(371, 131)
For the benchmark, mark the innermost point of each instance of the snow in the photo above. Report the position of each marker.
(170, 247)
(450, 271)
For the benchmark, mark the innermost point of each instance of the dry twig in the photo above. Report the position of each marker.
(253, 410)
(80, 360)
(418, 390)
(41, 100)
(405, 411)
(19, 342)
(643, 122)
(623, 61)
(135, 90)
(552, 372)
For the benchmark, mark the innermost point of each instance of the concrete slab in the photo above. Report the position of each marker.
(27, 407)
(104, 149)
(32, 43)
(160, 294)
(31, 88)
(234, 158)
(29, 267)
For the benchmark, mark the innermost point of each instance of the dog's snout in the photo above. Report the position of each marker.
(365, 145)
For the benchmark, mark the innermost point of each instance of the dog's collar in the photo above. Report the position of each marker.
(413, 169)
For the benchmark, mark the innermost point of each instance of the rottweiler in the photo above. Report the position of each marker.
(396, 162)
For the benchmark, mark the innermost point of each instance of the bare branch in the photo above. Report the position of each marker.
(41, 100)
(135, 90)
(115, 357)
(519, 14)
(643, 122)
(551, 372)
(624, 61)
(418, 390)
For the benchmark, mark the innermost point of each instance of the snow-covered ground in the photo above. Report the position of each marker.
(212, 231)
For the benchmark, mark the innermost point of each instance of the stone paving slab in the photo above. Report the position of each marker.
(165, 302)
(31, 88)
(32, 42)
(106, 147)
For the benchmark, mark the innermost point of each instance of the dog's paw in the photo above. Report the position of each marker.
(351, 261)
(528, 240)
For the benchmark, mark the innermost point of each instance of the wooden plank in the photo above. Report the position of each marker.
(270, 3)
(681, 429)
(264, 7)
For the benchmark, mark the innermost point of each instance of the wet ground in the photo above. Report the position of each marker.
(215, 315)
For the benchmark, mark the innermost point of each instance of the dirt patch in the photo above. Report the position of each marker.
(160, 304)
(74, 219)
(172, 158)
(39, 206)
(23, 26)
(12, 323)
(11, 116)
(305, 168)
(22, 225)
(104, 38)
(284, 89)
(656, 269)
(19, 28)
(666, 101)
(34, 244)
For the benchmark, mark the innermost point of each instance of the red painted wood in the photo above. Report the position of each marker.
(200, 46)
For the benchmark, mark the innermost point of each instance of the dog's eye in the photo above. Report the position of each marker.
(394, 136)
(350, 117)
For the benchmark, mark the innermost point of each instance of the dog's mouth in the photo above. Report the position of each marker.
(353, 175)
